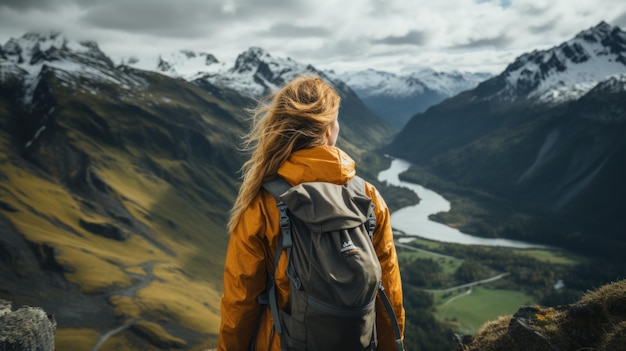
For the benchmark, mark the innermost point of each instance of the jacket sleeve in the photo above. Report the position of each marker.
(244, 279)
(386, 251)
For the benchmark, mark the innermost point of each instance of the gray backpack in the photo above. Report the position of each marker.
(334, 273)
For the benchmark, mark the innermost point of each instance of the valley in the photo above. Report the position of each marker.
(469, 282)
(116, 181)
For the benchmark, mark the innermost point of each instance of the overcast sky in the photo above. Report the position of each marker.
(391, 35)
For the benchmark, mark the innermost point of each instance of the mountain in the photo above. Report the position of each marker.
(568, 71)
(256, 73)
(115, 186)
(545, 138)
(397, 97)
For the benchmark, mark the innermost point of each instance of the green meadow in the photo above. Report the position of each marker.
(465, 309)
(469, 308)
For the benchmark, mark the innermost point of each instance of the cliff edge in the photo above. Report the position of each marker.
(596, 322)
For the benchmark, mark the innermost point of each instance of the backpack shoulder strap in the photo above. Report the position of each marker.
(392, 316)
(276, 187)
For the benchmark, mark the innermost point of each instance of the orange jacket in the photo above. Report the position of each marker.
(251, 248)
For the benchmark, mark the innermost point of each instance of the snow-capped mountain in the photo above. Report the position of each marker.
(257, 73)
(568, 71)
(28, 57)
(81, 67)
(397, 97)
(370, 82)
(530, 88)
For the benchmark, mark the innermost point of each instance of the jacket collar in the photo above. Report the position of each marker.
(318, 164)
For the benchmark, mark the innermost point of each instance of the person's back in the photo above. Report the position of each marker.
(294, 139)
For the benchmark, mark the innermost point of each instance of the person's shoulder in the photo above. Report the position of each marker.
(370, 189)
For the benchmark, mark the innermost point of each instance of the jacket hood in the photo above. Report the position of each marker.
(318, 164)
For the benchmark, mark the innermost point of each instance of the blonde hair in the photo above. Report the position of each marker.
(293, 118)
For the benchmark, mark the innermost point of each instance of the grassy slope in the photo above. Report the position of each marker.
(470, 311)
(168, 269)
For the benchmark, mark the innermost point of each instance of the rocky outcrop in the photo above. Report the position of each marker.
(596, 322)
(26, 329)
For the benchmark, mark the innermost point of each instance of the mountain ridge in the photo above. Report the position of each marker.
(549, 74)
(556, 161)
(257, 73)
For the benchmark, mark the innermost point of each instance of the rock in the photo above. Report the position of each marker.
(26, 329)
(527, 338)
(596, 322)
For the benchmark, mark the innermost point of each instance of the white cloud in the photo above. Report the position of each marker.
(229, 6)
(474, 35)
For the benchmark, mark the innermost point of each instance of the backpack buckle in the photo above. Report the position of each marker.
(263, 299)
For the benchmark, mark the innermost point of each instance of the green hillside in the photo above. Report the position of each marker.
(125, 193)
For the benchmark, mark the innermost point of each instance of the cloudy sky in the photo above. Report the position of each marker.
(391, 35)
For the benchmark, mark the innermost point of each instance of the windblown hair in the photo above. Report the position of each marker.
(293, 118)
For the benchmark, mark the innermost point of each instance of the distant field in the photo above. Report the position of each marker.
(553, 256)
(468, 312)
(448, 264)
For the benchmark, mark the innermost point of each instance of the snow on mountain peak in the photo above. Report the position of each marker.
(597, 33)
(256, 73)
(34, 48)
(615, 84)
(571, 69)
(449, 83)
(250, 59)
(19, 49)
(371, 83)
(27, 56)
(186, 64)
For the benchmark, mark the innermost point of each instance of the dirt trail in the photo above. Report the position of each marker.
(104, 337)
(140, 281)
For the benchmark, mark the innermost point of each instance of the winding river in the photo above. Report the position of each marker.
(414, 221)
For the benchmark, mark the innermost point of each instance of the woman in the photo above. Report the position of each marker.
(293, 136)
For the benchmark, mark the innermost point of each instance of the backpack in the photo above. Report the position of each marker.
(334, 272)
